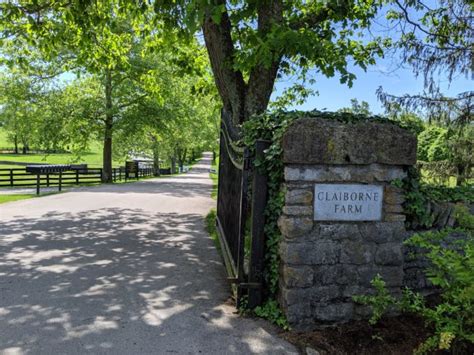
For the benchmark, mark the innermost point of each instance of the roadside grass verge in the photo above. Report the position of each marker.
(214, 174)
(15, 197)
(212, 229)
(4, 198)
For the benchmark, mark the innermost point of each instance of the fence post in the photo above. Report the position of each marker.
(242, 221)
(77, 177)
(37, 184)
(11, 177)
(257, 247)
(60, 181)
(47, 179)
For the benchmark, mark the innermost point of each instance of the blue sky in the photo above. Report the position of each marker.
(387, 73)
(334, 95)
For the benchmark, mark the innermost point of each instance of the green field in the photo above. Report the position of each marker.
(93, 158)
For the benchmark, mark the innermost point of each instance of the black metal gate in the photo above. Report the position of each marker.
(240, 214)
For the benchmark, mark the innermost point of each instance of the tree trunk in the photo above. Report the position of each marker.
(240, 99)
(108, 130)
(173, 164)
(156, 157)
(181, 158)
(460, 175)
(15, 141)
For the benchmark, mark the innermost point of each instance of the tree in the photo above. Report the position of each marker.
(249, 44)
(183, 123)
(97, 40)
(357, 108)
(435, 38)
(444, 152)
(19, 108)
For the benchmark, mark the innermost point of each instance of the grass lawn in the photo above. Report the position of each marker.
(214, 177)
(93, 158)
(17, 197)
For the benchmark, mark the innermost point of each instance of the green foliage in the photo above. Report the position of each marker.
(432, 144)
(380, 302)
(419, 194)
(408, 120)
(357, 108)
(451, 269)
(271, 311)
(451, 256)
(270, 128)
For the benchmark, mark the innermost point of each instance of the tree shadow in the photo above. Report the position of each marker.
(119, 281)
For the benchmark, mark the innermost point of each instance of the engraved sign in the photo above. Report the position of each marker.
(347, 202)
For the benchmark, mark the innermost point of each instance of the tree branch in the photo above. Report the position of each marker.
(262, 77)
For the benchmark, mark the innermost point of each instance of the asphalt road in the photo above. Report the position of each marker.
(120, 269)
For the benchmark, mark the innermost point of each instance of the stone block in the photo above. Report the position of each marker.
(298, 313)
(293, 296)
(355, 290)
(392, 275)
(358, 253)
(298, 197)
(297, 276)
(393, 208)
(298, 210)
(347, 275)
(389, 254)
(394, 217)
(325, 252)
(321, 141)
(393, 195)
(326, 274)
(292, 227)
(339, 231)
(297, 253)
(366, 274)
(309, 253)
(387, 173)
(382, 232)
(324, 294)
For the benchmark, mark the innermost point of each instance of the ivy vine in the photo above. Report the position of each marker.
(272, 127)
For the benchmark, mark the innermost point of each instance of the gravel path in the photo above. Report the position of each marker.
(120, 269)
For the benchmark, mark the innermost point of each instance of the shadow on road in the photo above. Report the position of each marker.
(98, 281)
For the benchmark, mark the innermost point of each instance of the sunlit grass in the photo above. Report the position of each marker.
(93, 157)
(212, 229)
(15, 197)
(214, 174)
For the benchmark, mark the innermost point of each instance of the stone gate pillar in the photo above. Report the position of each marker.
(343, 221)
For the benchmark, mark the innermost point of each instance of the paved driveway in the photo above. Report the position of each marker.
(120, 269)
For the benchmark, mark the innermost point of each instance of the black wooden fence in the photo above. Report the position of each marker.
(19, 177)
(240, 214)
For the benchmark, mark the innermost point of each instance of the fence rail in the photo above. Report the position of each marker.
(19, 177)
